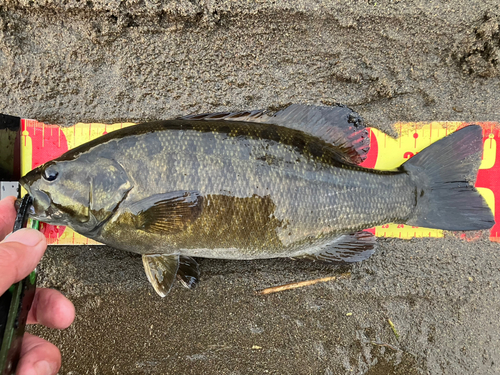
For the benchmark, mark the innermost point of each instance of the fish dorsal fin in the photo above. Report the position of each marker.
(337, 125)
(348, 248)
(167, 213)
(161, 271)
(248, 116)
(188, 272)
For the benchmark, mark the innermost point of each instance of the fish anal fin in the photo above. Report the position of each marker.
(167, 213)
(188, 272)
(161, 271)
(348, 248)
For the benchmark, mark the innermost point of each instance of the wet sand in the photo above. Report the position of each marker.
(108, 61)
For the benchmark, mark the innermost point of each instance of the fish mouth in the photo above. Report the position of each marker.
(17, 203)
(17, 206)
(41, 206)
(23, 182)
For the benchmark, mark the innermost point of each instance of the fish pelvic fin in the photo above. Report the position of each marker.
(161, 271)
(348, 248)
(444, 174)
(338, 125)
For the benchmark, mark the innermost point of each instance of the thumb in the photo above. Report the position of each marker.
(20, 252)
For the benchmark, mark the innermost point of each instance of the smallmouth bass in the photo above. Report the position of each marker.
(247, 185)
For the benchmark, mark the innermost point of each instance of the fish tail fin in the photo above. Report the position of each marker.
(445, 199)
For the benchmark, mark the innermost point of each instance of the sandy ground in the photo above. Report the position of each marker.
(65, 61)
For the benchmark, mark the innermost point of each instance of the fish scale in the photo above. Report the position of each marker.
(314, 196)
(249, 186)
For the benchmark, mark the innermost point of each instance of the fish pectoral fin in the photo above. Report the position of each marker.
(348, 248)
(167, 213)
(161, 271)
(188, 272)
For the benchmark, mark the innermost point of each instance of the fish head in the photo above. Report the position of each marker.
(78, 193)
(60, 192)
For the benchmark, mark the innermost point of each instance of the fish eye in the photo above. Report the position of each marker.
(50, 175)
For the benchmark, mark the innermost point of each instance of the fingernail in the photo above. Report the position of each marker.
(44, 368)
(28, 237)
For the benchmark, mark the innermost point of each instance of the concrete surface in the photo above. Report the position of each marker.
(64, 61)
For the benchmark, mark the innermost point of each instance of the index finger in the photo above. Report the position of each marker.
(7, 216)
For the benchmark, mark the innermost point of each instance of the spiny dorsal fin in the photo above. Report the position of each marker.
(161, 270)
(248, 116)
(167, 213)
(188, 272)
(337, 125)
(348, 248)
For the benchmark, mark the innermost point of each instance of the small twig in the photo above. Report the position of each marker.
(217, 348)
(386, 345)
(300, 284)
(393, 328)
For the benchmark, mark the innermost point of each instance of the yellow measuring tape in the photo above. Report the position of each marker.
(414, 137)
(42, 142)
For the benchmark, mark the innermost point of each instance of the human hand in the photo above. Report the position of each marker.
(19, 255)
